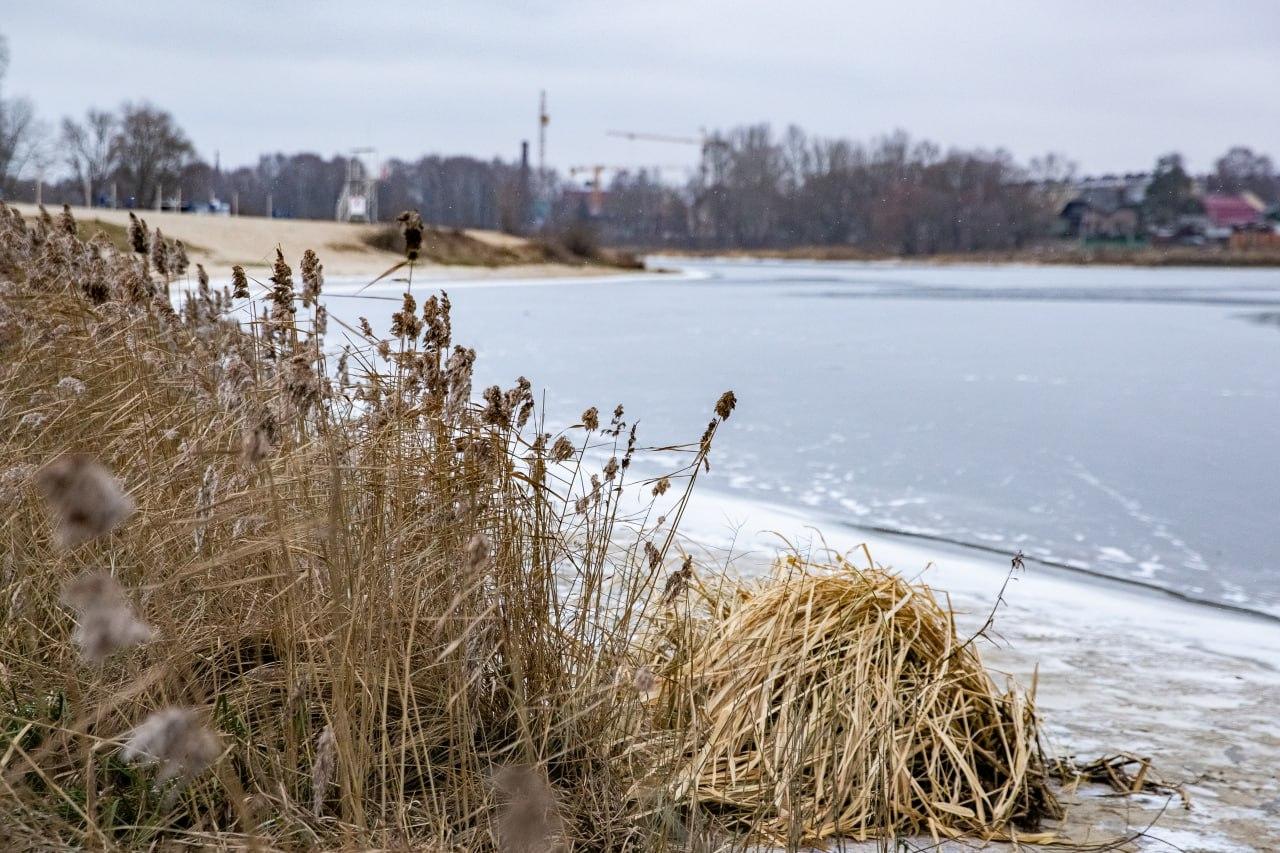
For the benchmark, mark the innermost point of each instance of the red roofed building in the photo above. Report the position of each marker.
(1226, 212)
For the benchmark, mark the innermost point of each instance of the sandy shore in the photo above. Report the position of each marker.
(218, 242)
(1193, 688)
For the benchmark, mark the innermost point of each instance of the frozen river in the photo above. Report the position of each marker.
(1119, 420)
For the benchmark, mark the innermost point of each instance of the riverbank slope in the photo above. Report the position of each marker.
(345, 248)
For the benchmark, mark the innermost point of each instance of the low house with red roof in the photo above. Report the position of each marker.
(1227, 213)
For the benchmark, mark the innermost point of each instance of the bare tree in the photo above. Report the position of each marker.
(1241, 170)
(19, 130)
(150, 150)
(90, 150)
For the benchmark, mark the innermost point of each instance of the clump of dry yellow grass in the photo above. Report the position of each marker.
(830, 700)
(349, 605)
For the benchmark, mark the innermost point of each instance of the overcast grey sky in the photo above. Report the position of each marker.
(1111, 84)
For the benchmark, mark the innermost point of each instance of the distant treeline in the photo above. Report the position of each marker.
(751, 188)
(757, 190)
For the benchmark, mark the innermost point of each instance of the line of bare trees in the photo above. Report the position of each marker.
(754, 188)
(759, 190)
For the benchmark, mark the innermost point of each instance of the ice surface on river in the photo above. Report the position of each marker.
(1127, 420)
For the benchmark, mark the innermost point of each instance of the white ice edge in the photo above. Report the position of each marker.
(720, 520)
(432, 279)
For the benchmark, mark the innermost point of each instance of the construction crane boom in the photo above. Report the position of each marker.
(655, 137)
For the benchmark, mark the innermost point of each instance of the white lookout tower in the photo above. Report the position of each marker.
(359, 199)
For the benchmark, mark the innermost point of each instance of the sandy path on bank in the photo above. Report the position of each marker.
(218, 242)
(1194, 688)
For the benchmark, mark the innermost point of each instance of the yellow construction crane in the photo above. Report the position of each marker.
(596, 204)
(706, 143)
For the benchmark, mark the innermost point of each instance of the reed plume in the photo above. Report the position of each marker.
(176, 741)
(86, 500)
(106, 622)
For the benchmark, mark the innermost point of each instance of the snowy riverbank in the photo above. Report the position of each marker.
(1119, 670)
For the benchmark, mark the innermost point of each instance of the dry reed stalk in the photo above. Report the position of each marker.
(834, 701)
(331, 573)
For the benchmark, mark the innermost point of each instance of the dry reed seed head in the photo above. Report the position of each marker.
(458, 378)
(344, 372)
(86, 500)
(384, 349)
(652, 554)
(239, 283)
(581, 505)
(677, 582)
(660, 487)
(529, 819)
(446, 322)
(591, 419)
(312, 278)
(67, 221)
(14, 482)
(178, 260)
(497, 411)
(45, 218)
(202, 280)
(235, 379)
(405, 322)
(204, 503)
(323, 768)
(411, 227)
(160, 254)
(282, 282)
(477, 552)
(106, 620)
(259, 440)
(176, 740)
(520, 402)
(322, 321)
(611, 469)
(301, 382)
(70, 386)
(435, 317)
(631, 449)
(365, 328)
(562, 450)
(644, 681)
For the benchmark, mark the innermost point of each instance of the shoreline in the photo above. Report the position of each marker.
(219, 242)
(1115, 669)
(1065, 256)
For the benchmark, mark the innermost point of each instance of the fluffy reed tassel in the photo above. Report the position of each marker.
(85, 498)
(160, 254)
(176, 740)
(324, 768)
(312, 278)
(107, 623)
(139, 240)
(239, 283)
(529, 819)
(67, 220)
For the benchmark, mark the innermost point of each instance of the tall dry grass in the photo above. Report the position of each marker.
(252, 596)
(403, 613)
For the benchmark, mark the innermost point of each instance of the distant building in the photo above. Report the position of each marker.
(1105, 207)
(1226, 213)
(1231, 211)
(1099, 214)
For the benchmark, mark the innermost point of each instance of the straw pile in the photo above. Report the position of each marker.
(831, 702)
